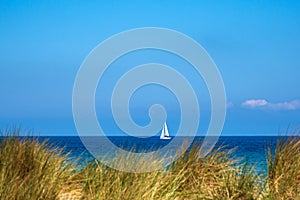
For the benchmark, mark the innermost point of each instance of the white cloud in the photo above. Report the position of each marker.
(264, 104)
(254, 103)
(292, 105)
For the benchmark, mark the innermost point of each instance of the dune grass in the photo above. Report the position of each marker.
(190, 177)
(284, 169)
(30, 169)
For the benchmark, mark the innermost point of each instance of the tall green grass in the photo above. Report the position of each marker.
(30, 169)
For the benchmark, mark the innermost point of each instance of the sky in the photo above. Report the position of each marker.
(255, 45)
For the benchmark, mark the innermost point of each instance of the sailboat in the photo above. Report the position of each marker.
(165, 133)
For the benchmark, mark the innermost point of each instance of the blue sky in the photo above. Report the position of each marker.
(255, 45)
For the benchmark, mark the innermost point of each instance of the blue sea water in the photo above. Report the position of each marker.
(251, 149)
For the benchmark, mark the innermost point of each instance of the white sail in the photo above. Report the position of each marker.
(165, 133)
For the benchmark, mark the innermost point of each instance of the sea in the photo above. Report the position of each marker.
(252, 150)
